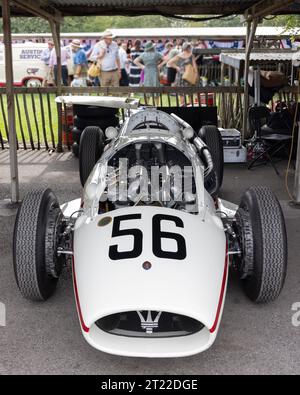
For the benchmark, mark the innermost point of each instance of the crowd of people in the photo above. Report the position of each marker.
(112, 63)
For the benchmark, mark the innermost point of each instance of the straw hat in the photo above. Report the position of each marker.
(76, 43)
(107, 34)
(149, 46)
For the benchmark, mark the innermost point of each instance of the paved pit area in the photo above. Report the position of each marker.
(46, 338)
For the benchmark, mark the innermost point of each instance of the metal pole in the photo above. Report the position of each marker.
(15, 193)
(257, 86)
(297, 175)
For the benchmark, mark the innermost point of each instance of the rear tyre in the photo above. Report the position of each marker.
(90, 151)
(75, 150)
(262, 232)
(212, 138)
(36, 265)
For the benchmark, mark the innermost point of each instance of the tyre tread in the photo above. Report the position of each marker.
(25, 235)
(273, 245)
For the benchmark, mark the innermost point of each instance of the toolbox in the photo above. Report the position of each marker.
(235, 155)
(231, 138)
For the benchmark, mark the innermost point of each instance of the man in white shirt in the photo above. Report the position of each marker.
(106, 53)
(64, 64)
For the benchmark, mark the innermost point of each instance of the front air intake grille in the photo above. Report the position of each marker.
(149, 324)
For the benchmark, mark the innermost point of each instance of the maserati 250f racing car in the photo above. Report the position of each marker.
(151, 242)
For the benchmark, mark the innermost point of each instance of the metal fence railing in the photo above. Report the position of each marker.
(42, 124)
(36, 119)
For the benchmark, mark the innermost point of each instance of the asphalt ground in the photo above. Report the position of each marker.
(46, 338)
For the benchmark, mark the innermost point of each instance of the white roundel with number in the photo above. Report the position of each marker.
(185, 274)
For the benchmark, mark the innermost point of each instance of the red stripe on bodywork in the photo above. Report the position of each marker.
(84, 327)
(17, 84)
(213, 329)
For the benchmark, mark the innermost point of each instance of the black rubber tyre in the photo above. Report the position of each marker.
(33, 245)
(75, 149)
(76, 134)
(90, 150)
(102, 123)
(212, 138)
(94, 112)
(264, 243)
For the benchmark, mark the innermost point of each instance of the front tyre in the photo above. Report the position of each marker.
(212, 138)
(36, 264)
(90, 150)
(263, 240)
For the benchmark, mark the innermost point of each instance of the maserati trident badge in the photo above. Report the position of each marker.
(149, 324)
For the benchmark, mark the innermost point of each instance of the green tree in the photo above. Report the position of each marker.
(290, 22)
(86, 24)
(28, 25)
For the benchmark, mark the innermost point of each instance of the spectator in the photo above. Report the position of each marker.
(179, 43)
(144, 43)
(169, 46)
(181, 61)
(149, 62)
(135, 71)
(180, 64)
(86, 47)
(107, 55)
(129, 47)
(170, 53)
(80, 64)
(160, 46)
(64, 64)
(201, 44)
(124, 61)
(45, 57)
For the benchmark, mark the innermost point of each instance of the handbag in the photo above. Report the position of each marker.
(94, 71)
(190, 74)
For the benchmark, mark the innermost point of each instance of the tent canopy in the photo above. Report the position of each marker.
(237, 59)
(142, 7)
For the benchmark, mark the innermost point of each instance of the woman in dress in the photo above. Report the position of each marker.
(180, 62)
(135, 71)
(149, 62)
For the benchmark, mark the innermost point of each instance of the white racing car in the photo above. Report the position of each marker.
(151, 242)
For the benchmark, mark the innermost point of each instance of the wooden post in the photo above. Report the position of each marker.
(251, 30)
(55, 28)
(15, 193)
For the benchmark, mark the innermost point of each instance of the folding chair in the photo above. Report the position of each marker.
(273, 141)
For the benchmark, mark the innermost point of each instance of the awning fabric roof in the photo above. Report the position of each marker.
(237, 59)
